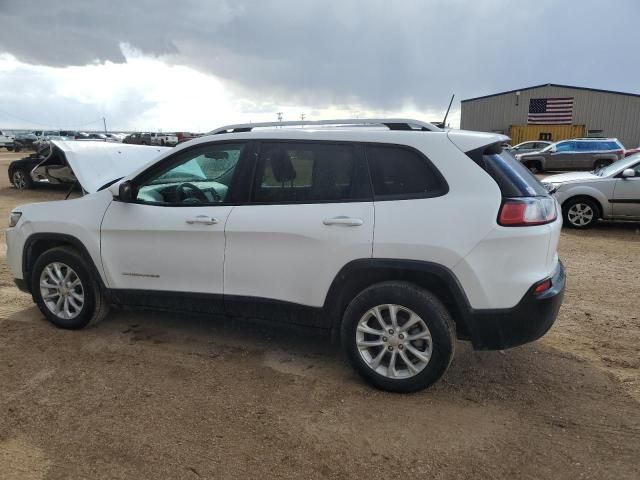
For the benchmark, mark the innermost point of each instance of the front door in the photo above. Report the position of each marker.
(171, 238)
(562, 158)
(626, 195)
(311, 213)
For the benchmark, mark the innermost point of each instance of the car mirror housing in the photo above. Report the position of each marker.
(126, 191)
(628, 173)
(553, 149)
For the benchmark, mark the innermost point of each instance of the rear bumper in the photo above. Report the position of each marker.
(529, 320)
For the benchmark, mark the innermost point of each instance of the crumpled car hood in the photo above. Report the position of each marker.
(95, 164)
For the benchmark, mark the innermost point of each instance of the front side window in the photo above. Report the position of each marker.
(309, 172)
(201, 175)
(401, 172)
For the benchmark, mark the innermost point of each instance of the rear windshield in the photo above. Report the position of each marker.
(513, 178)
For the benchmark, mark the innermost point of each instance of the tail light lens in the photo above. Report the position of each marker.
(523, 212)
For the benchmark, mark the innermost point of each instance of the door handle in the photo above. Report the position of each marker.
(202, 220)
(348, 221)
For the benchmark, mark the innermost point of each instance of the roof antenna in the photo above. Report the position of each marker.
(444, 122)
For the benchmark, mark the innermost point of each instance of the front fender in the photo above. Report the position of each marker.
(601, 197)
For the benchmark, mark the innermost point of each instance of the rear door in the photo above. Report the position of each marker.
(311, 212)
(563, 158)
(626, 195)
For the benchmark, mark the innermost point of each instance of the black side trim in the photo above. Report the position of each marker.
(625, 200)
(51, 240)
(21, 284)
(170, 301)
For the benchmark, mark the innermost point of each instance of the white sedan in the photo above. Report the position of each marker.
(612, 192)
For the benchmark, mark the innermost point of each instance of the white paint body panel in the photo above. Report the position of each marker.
(150, 247)
(97, 163)
(286, 252)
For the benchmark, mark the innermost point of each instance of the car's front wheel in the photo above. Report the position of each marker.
(66, 291)
(398, 336)
(580, 213)
(21, 179)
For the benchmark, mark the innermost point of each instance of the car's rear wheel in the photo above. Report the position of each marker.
(21, 179)
(66, 291)
(398, 336)
(580, 213)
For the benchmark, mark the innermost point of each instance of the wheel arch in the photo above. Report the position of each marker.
(589, 196)
(358, 275)
(38, 243)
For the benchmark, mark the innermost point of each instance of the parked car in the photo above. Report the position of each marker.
(576, 154)
(531, 146)
(163, 139)
(611, 192)
(186, 136)
(24, 141)
(289, 212)
(55, 163)
(7, 140)
(138, 139)
(631, 151)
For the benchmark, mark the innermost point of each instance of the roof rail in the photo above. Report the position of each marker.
(391, 123)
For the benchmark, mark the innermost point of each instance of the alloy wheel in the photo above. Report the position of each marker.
(19, 180)
(62, 290)
(580, 214)
(394, 341)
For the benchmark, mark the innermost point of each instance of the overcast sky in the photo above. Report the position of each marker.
(197, 64)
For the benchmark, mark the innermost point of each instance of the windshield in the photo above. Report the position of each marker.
(617, 166)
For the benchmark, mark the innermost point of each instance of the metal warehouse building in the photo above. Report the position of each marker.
(555, 112)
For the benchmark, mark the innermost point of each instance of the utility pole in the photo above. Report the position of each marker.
(104, 122)
(279, 116)
(302, 116)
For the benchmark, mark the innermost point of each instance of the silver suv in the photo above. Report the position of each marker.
(576, 154)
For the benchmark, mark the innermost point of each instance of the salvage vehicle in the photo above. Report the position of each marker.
(7, 140)
(577, 154)
(611, 193)
(163, 139)
(530, 146)
(278, 223)
(51, 163)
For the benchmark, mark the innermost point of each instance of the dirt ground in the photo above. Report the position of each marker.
(159, 396)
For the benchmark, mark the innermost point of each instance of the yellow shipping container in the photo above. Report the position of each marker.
(551, 133)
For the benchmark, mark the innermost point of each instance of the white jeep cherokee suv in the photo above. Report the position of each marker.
(399, 237)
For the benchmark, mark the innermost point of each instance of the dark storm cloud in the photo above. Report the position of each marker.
(382, 54)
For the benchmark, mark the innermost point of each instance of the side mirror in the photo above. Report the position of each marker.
(127, 191)
(628, 173)
(553, 149)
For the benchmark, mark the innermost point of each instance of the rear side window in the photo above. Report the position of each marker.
(300, 172)
(398, 172)
(513, 178)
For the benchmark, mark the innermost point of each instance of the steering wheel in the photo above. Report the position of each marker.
(195, 193)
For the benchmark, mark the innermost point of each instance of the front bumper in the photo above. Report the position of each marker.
(529, 320)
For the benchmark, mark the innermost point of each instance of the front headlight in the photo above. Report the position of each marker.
(14, 217)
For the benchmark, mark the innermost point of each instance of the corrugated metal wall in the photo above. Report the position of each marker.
(616, 115)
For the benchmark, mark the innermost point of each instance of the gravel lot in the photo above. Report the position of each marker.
(159, 396)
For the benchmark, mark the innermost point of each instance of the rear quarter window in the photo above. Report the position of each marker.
(401, 172)
(513, 178)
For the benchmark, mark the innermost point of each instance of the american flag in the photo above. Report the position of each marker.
(550, 110)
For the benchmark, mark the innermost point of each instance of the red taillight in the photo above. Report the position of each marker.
(542, 286)
(523, 212)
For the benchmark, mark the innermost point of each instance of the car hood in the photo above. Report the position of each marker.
(571, 177)
(96, 163)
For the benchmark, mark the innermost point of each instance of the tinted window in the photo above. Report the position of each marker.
(309, 172)
(397, 172)
(513, 178)
(197, 176)
(565, 147)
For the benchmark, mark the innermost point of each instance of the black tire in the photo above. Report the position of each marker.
(9, 149)
(428, 307)
(601, 164)
(580, 213)
(94, 307)
(162, 142)
(21, 179)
